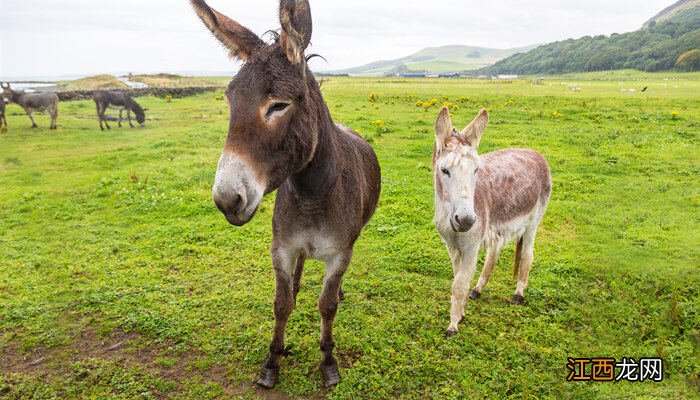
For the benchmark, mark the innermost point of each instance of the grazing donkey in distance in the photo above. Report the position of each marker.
(121, 101)
(281, 136)
(3, 120)
(32, 101)
(485, 201)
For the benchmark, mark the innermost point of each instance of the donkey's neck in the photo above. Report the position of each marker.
(132, 104)
(321, 173)
(17, 96)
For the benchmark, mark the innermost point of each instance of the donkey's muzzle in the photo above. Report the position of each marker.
(462, 222)
(232, 207)
(236, 193)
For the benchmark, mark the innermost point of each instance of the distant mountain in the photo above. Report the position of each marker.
(655, 47)
(671, 11)
(445, 59)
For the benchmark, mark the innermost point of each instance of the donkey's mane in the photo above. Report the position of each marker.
(456, 145)
(275, 33)
(458, 154)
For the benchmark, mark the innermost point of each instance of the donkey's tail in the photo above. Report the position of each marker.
(518, 252)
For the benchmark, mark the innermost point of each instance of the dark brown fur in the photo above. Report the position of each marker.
(327, 176)
(3, 120)
(104, 99)
(516, 261)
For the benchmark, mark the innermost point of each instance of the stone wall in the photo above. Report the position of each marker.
(69, 95)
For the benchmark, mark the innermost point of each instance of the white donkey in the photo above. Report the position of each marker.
(485, 201)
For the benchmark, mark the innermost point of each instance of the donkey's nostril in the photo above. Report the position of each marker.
(462, 223)
(469, 220)
(235, 203)
(229, 204)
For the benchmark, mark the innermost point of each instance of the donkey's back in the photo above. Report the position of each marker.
(45, 100)
(109, 97)
(512, 192)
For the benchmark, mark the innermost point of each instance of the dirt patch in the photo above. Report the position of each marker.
(125, 349)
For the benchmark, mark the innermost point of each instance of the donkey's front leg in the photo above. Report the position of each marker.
(464, 265)
(328, 307)
(30, 113)
(284, 304)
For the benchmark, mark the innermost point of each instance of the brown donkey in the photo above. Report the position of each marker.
(485, 201)
(3, 120)
(121, 101)
(281, 136)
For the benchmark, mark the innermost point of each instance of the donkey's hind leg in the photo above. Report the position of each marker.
(527, 251)
(284, 304)
(492, 254)
(298, 271)
(328, 307)
(99, 115)
(119, 123)
(103, 117)
(53, 111)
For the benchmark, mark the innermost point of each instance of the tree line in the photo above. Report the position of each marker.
(656, 48)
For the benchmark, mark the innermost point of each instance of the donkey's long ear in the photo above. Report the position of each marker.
(295, 19)
(239, 40)
(473, 132)
(443, 127)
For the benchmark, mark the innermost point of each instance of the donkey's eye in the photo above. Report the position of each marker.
(445, 171)
(276, 107)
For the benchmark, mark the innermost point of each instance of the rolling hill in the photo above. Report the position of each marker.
(444, 59)
(671, 11)
(655, 47)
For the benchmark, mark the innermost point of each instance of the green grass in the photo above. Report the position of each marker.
(119, 278)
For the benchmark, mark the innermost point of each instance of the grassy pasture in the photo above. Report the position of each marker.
(119, 278)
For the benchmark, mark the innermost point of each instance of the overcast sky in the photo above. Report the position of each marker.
(76, 37)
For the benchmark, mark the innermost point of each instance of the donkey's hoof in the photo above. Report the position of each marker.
(331, 376)
(518, 299)
(268, 377)
(450, 333)
(474, 294)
